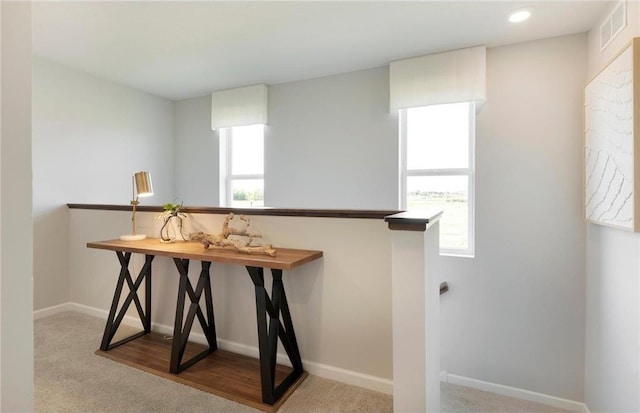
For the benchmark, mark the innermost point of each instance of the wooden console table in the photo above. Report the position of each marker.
(274, 308)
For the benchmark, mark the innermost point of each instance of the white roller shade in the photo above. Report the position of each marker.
(450, 77)
(239, 107)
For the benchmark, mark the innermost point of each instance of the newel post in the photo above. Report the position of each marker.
(416, 311)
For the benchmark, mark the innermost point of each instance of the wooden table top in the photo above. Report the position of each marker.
(285, 259)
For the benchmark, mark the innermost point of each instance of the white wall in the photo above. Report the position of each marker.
(16, 235)
(515, 313)
(612, 362)
(89, 137)
(331, 143)
(340, 305)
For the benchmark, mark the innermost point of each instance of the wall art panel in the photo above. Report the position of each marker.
(611, 126)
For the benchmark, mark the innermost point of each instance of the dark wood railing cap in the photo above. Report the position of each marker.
(282, 212)
(412, 220)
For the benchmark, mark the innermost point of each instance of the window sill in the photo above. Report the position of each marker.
(456, 254)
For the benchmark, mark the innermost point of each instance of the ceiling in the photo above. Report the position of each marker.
(180, 49)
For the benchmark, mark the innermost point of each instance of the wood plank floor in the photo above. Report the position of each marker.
(225, 374)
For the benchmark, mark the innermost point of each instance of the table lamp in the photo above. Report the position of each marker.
(141, 183)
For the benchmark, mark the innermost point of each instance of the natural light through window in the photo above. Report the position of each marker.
(242, 166)
(438, 169)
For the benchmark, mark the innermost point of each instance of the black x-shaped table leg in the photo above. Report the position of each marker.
(113, 322)
(268, 334)
(181, 331)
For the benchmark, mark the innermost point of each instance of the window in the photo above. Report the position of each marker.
(437, 169)
(242, 166)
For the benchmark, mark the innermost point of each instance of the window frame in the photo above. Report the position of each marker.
(469, 172)
(225, 136)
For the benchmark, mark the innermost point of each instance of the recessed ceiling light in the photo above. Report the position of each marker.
(519, 16)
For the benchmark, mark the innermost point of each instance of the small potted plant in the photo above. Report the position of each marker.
(172, 216)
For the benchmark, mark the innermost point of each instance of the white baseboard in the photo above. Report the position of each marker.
(45, 312)
(318, 369)
(515, 392)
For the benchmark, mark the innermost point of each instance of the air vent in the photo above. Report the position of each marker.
(613, 24)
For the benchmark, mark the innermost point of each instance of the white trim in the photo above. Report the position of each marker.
(228, 198)
(471, 251)
(224, 170)
(351, 377)
(402, 132)
(46, 312)
(515, 392)
(440, 172)
(318, 369)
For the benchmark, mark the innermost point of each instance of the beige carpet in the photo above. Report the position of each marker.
(459, 399)
(69, 377)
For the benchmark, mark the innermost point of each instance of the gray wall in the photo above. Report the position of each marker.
(330, 143)
(89, 137)
(16, 235)
(515, 315)
(612, 362)
(197, 156)
(515, 312)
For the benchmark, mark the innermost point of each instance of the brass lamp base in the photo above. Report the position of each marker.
(133, 237)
